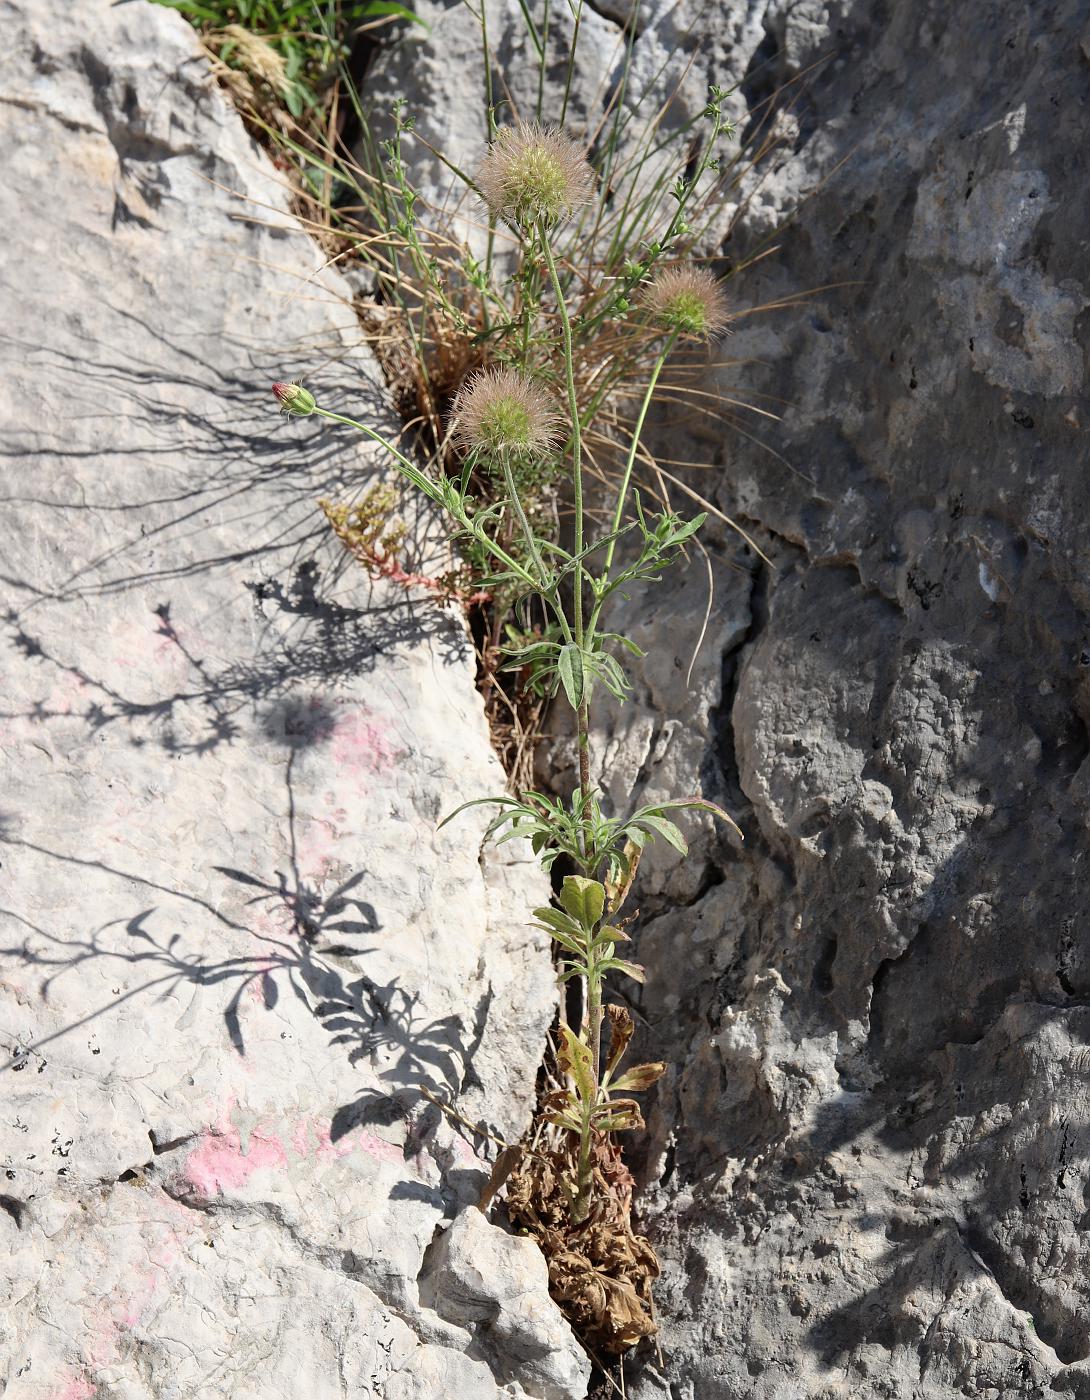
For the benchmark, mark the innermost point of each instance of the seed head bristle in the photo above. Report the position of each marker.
(501, 412)
(689, 300)
(535, 174)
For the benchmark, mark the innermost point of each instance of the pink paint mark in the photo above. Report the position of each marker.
(328, 1150)
(79, 1388)
(361, 744)
(219, 1164)
(317, 849)
(464, 1153)
(380, 1149)
(67, 697)
(311, 1138)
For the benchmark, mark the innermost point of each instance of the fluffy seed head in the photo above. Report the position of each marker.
(534, 173)
(502, 413)
(688, 300)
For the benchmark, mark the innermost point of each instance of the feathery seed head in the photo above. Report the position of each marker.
(502, 413)
(688, 300)
(534, 173)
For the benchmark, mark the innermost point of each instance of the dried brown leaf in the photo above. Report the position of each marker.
(621, 1028)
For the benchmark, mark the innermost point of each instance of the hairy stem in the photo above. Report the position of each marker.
(583, 729)
(577, 498)
(592, 1034)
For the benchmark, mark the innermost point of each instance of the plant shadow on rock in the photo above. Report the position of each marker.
(205, 470)
(202, 481)
(325, 934)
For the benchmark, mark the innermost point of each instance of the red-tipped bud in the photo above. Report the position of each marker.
(293, 398)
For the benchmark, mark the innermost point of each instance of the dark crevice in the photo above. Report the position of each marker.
(823, 968)
(880, 991)
(1063, 1333)
(168, 1144)
(722, 752)
(760, 84)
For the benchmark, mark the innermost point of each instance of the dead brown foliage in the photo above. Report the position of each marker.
(600, 1271)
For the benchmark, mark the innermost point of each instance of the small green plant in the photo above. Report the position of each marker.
(438, 313)
(271, 53)
(525, 410)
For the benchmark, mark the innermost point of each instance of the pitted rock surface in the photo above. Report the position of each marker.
(234, 943)
(868, 1167)
(869, 1164)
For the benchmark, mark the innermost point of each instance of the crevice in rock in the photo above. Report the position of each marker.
(12, 1206)
(761, 82)
(723, 750)
(1057, 1330)
(880, 992)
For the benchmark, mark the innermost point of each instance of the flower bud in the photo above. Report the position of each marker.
(294, 399)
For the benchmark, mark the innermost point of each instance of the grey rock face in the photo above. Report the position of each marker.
(869, 1163)
(234, 943)
(868, 1167)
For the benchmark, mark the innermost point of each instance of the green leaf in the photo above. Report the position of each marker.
(619, 1115)
(630, 969)
(557, 919)
(570, 666)
(683, 532)
(566, 942)
(583, 899)
(564, 1120)
(698, 804)
(661, 826)
(479, 802)
(378, 8)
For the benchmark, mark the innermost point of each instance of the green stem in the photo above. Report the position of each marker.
(552, 597)
(633, 448)
(571, 62)
(585, 1171)
(416, 477)
(577, 493)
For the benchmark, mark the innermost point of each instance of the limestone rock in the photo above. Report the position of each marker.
(234, 942)
(868, 1163)
(497, 1286)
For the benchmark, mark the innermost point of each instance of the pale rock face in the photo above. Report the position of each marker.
(234, 943)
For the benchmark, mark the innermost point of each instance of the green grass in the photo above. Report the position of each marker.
(310, 38)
